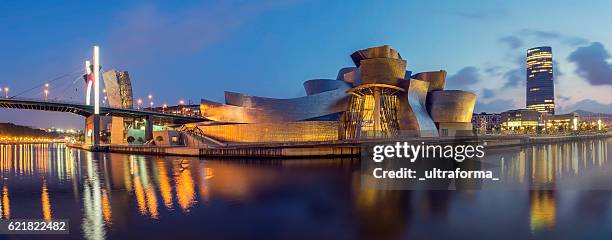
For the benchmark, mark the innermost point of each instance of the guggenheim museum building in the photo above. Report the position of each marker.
(377, 98)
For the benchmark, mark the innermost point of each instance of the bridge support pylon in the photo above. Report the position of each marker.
(92, 130)
(149, 128)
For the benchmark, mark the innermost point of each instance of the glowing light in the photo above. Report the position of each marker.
(106, 207)
(185, 189)
(599, 127)
(543, 211)
(140, 196)
(6, 203)
(46, 203)
(164, 184)
(152, 201)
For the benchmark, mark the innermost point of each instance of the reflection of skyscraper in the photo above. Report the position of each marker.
(540, 86)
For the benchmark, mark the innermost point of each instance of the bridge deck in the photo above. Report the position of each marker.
(85, 110)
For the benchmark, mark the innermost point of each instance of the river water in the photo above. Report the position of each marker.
(120, 196)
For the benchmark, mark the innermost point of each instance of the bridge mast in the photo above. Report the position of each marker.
(95, 118)
(96, 72)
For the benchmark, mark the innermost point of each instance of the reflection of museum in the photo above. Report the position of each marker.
(376, 99)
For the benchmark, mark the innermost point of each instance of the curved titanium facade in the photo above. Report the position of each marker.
(273, 132)
(316, 86)
(436, 79)
(384, 51)
(382, 70)
(451, 106)
(343, 71)
(417, 96)
(375, 99)
(250, 109)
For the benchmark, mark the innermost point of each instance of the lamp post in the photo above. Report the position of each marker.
(6, 90)
(182, 107)
(139, 102)
(150, 101)
(46, 91)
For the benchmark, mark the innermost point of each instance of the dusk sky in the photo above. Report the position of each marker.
(193, 50)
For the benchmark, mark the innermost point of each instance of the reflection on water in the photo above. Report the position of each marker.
(6, 203)
(543, 210)
(546, 166)
(108, 195)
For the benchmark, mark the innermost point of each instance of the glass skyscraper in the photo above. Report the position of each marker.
(540, 85)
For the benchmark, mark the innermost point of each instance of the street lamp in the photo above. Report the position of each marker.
(151, 101)
(6, 90)
(46, 91)
(139, 102)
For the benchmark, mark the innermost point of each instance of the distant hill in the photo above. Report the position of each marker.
(584, 113)
(13, 130)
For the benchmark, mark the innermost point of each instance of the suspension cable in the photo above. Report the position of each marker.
(50, 81)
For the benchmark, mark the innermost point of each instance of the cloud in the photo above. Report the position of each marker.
(588, 105)
(488, 93)
(146, 31)
(494, 70)
(490, 14)
(496, 106)
(564, 98)
(550, 35)
(516, 76)
(591, 64)
(512, 42)
(464, 78)
(556, 70)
